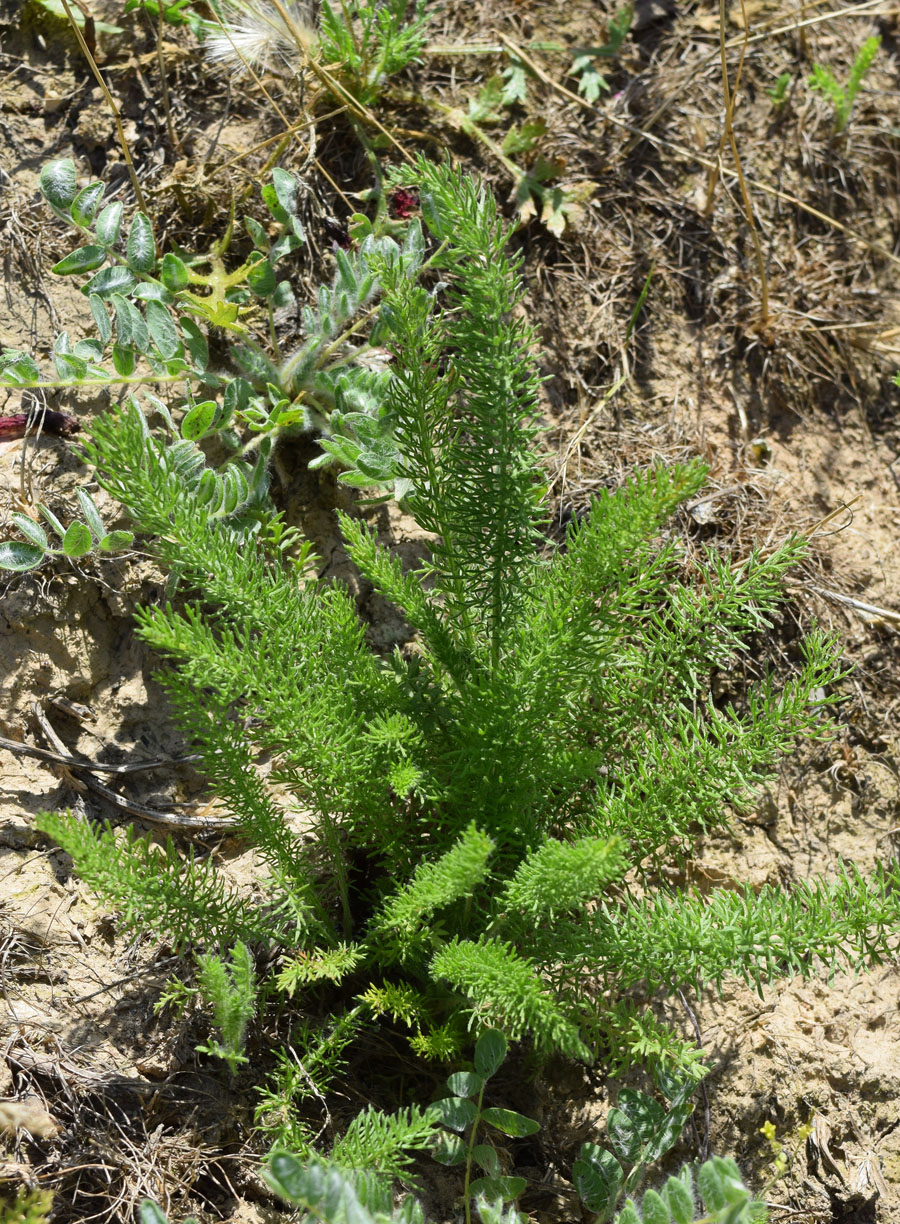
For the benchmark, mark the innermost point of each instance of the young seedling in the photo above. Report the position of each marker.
(842, 97)
(76, 541)
(464, 1114)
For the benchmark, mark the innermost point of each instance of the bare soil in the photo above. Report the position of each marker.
(105, 1101)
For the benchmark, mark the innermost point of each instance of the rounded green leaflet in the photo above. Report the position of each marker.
(486, 1158)
(654, 1209)
(490, 1051)
(510, 1122)
(173, 272)
(680, 1200)
(15, 555)
(85, 259)
(198, 420)
(628, 1214)
(465, 1083)
(115, 541)
(141, 249)
(285, 189)
(449, 1150)
(59, 185)
(261, 278)
(91, 513)
(78, 541)
(455, 1112)
(598, 1178)
(101, 318)
(505, 1188)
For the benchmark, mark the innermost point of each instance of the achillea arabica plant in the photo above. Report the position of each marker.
(475, 804)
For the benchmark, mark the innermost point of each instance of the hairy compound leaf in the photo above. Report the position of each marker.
(490, 1051)
(109, 223)
(598, 1178)
(14, 555)
(85, 259)
(628, 1214)
(59, 184)
(510, 1122)
(141, 248)
(86, 203)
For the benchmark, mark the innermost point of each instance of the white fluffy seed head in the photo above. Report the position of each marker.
(254, 34)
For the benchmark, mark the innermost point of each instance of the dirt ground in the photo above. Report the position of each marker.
(104, 1101)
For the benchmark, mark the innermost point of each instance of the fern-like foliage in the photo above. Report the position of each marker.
(230, 988)
(471, 806)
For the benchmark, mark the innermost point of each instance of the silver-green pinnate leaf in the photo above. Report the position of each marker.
(86, 203)
(141, 249)
(59, 185)
(85, 259)
(101, 318)
(109, 223)
(32, 531)
(162, 330)
(18, 556)
(116, 279)
(91, 513)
